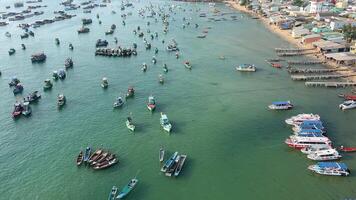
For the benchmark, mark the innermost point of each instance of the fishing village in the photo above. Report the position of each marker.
(136, 99)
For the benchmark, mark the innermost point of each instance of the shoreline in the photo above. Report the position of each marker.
(285, 35)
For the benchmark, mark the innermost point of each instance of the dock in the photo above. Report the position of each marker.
(304, 62)
(291, 49)
(293, 70)
(317, 77)
(330, 84)
(295, 53)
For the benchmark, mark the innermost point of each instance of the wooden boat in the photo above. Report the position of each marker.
(161, 154)
(18, 108)
(181, 161)
(26, 109)
(130, 92)
(347, 149)
(100, 158)
(47, 84)
(113, 193)
(95, 155)
(80, 158)
(105, 164)
(127, 189)
(61, 100)
(87, 154)
(129, 124)
(151, 105)
(187, 65)
(104, 83)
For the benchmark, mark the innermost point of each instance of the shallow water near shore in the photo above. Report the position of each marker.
(234, 143)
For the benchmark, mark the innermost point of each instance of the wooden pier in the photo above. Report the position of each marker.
(294, 53)
(330, 84)
(311, 70)
(304, 62)
(291, 49)
(317, 77)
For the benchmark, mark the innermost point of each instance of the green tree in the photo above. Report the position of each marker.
(349, 32)
(298, 3)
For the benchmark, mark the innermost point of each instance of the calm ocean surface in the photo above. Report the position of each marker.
(235, 145)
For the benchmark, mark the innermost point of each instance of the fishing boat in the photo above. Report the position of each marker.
(168, 164)
(313, 149)
(109, 32)
(127, 189)
(281, 105)
(118, 103)
(166, 125)
(348, 96)
(201, 36)
(324, 155)
(68, 63)
(104, 83)
(61, 100)
(350, 104)
(23, 47)
(330, 168)
(94, 157)
(144, 67)
(161, 154)
(39, 57)
(57, 41)
(71, 46)
(187, 65)
(32, 97)
(18, 89)
(170, 171)
(87, 154)
(154, 60)
(113, 193)
(18, 108)
(80, 158)
(12, 51)
(151, 105)
(101, 43)
(129, 124)
(161, 79)
(300, 142)
(298, 119)
(165, 68)
(14, 81)
(105, 164)
(180, 164)
(83, 30)
(102, 157)
(347, 149)
(246, 68)
(62, 74)
(7, 34)
(55, 75)
(25, 35)
(26, 109)
(47, 84)
(130, 92)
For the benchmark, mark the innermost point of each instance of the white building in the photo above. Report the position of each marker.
(338, 24)
(317, 6)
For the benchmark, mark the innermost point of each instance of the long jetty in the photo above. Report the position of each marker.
(294, 53)
(317, 77)
(304, 62)
(293, 70)
(330, 84)
(291, 49)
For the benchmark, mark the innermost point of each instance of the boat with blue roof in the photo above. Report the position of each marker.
(330, 168)
(281, 105)
(168, 164)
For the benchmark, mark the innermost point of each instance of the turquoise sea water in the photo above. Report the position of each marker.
(234, 143)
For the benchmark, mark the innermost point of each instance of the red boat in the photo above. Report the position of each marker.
(350, 97)
(347, 149)
(276, 65)
(18, 108)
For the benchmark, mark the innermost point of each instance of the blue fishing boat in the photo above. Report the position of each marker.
(330, 168)
(112, 193)
(168, 164)
(62, 74)
(127, 189)
(281, 105)
(18, 89)
(87, 154)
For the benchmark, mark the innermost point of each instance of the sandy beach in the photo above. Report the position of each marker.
(285, 34)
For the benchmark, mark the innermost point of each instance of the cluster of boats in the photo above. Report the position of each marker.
(116, 52)
(173, 166)
(23, 108)
(115, 194)
(309, 137)
(99, 159)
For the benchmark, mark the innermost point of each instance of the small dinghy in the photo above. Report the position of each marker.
(61, 100)
(187, 65)
(104, 83)
(113, 193)
(151, 105)
(165, 68)
(154, 60)
(12, 51)
(127, 189)
(18, 108)
(80, 158)
(47, 84)
(57, 41)
(62, 74)
(26, 109)
(161, 154)
(68, 63)
(144, 67)
(55, 75)
(118, 103)
(14, 81)
(130, 92)
(347, 149)
(71, 46)
(18, 89)
(129, 124)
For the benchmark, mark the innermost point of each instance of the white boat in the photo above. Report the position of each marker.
(166, 125)
(298, 119)
(151, 105)
(26, 109)
(246, 68)
(104, 83)
(348, 105)
(323, 155)
(300, 142)
(330, 169)
(281, 105)
(313, 149)
(118, 103)
(129, 124)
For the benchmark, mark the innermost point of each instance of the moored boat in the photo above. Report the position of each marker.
(347, 149)
(161, 154)
(324, 155)
(18, 89)
(12, 51)
(95, 155)
(144, 67)
(113, 192)
(105, 164)
(187, 65)
(68, 63)
(62, 74)
(299, 142)
(55, 75)
(83, 30)
(165, 68)
(104, 83)
(313, 149)
(87, 154)
(18, 108)
(14, 81)
(166, 125)
(151, 105)
(39, 57)
(118, 103)
(26, 109)
(127, 189)
(350, 104)
(330, 168)
(61, 100)
(32, 97)
(281, 105)
(57, 41)
(168, 164)
(298, 119)
(79, 158)
(161, 79)
(47, 84)
(130, 92)
(246, 68)
(181, 162)
(129, 124)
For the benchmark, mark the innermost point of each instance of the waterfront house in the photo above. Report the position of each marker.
(343, 58)
(298, 32)
(333, 36)
(324, 46)
(308, 39)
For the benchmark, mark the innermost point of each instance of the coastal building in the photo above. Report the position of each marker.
(343, 58)
(308, 39)
(324, 46)
(316, 6)
(340, 22)
(333, 36)
(298, 32)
